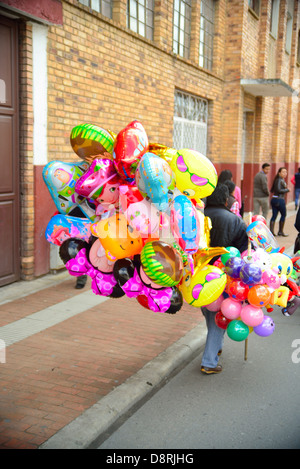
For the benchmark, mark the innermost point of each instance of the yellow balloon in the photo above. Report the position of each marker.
(196, 176)
(204, 287)
(164, 152)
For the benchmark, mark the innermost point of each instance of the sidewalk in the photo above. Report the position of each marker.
(75, 363)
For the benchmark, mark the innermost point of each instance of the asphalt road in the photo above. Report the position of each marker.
(252, 404)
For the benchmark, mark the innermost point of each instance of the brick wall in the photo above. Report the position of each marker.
(26, 151)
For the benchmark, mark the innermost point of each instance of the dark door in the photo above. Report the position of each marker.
(9, 154)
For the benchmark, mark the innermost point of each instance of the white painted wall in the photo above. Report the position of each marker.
(40, 85)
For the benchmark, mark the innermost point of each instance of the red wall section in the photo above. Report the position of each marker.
(46, 10)
(44, 208)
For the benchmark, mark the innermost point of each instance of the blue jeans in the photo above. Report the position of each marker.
(214, 340)
(278, 205)
(297, 194)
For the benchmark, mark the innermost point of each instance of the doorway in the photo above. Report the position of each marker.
(9, 154)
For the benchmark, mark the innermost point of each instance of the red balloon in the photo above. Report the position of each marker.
(143, 300)
(129, 194)
(221, 321)
(238, 290)
(130, 145)
(259, 218)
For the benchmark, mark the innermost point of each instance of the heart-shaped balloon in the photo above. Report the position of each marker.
(60, 178)
(130, 145)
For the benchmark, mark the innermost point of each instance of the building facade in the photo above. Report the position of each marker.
(219, 76)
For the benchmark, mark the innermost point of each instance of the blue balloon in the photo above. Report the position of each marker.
(154, 178)
(185, 224)
(250, 274)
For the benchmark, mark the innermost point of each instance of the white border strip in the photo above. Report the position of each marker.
(40, 86)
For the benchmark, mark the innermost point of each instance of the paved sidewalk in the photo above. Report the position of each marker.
(75, 363)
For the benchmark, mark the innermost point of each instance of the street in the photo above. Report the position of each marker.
(252, 404)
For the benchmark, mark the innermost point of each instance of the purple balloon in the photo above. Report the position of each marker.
(265, 328)
(233, 266)
(250, 274)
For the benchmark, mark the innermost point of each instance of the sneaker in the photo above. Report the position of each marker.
(209, 371)
(80, 282)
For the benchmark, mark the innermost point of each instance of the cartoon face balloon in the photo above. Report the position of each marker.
(283, 264)
(143, 217)
(117, 237)
(162, 263)
(154, 178)
(130, 144)
(100, 182)
(62, 227)
(90, 141)
(60, 179)
(196, 177)
(204, 287)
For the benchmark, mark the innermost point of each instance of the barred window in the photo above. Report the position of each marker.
(254, 5)
(206, 33)
(102, 6)
(182, 27)
(289, 26)
(274, 18)
(190, 122)
(140, 17)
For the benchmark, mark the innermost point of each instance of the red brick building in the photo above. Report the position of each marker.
(220, 76)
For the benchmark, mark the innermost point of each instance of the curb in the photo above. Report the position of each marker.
(96, 424)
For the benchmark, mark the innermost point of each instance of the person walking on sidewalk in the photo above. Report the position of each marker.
(261, 191)
(279, 189)
(227, 230)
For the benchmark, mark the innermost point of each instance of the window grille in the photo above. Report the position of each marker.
(206, 33)
(182, 27)
(101, 6)
(254, 5)
(140, 17)
(190, 122)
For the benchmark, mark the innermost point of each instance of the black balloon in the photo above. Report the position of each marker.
(70, 248)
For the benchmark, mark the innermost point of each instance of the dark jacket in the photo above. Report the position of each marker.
(227, 228)
(279, 187)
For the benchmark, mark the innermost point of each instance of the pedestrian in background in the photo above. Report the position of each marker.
(232, 203)
(226, 175)
(279, 190)
(296, 181)
(227, 230)
(261, 191)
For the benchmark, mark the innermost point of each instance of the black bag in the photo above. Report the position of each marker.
(297, 244)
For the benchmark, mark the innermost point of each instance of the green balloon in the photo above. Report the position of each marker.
(237, 330)
(233, 252)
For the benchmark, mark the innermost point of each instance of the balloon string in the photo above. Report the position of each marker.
(249, 242)
(191, 262)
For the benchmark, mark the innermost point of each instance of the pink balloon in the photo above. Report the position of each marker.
(252, 315)
(231, 309)
(270, 278)
(215, 305)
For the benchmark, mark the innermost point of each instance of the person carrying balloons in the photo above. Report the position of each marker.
(227, 230)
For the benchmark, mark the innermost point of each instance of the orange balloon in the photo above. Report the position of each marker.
(117, 237)
(259, 295)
